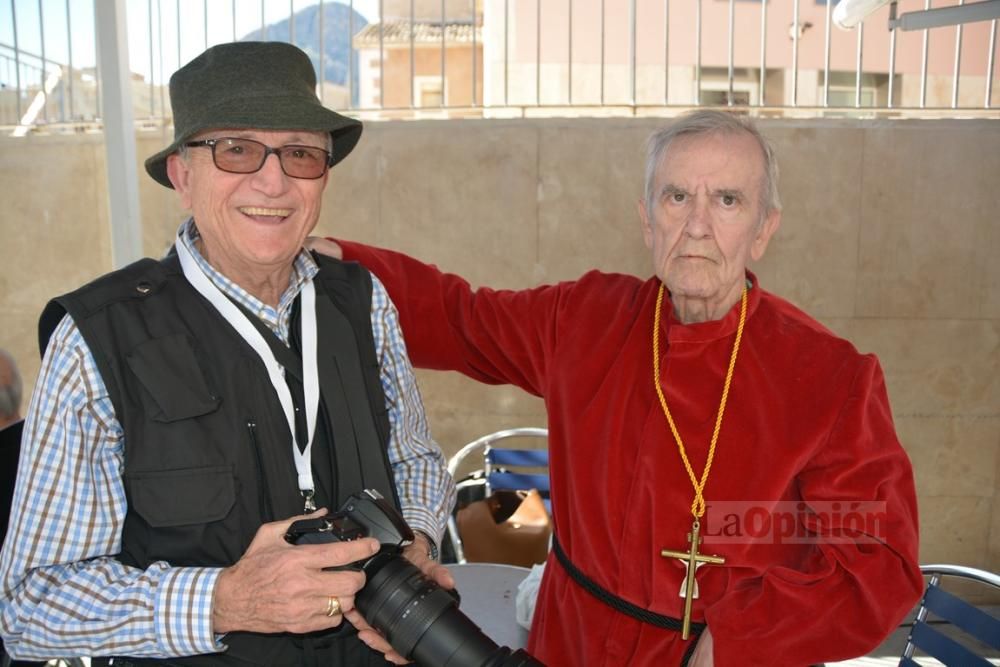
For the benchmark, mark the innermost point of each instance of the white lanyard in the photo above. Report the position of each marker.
(275, 372)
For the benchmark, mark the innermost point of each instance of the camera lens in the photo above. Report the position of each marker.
(422, 621)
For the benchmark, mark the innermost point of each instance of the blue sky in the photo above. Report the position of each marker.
(166, 50)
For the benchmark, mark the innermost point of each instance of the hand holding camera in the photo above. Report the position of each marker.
(276, 587)
(419, 619)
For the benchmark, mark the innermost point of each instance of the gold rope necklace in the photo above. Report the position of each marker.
(693, 559)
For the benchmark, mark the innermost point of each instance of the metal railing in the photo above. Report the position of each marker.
(413, 58)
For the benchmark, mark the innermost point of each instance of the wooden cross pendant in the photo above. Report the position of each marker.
(693, 560)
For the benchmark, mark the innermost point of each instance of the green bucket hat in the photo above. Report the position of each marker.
(251, 85)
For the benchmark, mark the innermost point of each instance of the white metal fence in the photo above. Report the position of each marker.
(411, 58)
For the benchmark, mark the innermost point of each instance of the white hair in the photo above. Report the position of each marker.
(705, 122)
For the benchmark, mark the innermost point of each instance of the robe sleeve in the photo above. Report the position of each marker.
(859, 580)
(493, 336)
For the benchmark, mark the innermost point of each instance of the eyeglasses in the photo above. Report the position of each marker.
(245, 156)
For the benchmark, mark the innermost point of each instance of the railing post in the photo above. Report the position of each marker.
(538, 53)
(666, 52)
(731, 54)
(475, 24)
(923, 63)
(632, 50)
(43, 89)
(761, 97)
(322, 51)
(69, 51)
(860, 66)
(602, 51)
(569, 53)
(413, 56)
(17, 59)
(697, 48)
(444, 43)
(958, 62)
(892, 52)
(152, 82)
(826, 56)
(988, 103)
(795, 53)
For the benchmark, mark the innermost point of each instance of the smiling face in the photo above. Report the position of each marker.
(252, 225)
(705, 221)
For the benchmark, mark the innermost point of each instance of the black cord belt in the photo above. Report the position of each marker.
(622, 605)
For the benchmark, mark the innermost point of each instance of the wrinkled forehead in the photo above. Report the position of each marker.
(720, 159)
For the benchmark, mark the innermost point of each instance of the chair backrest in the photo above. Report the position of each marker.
(504, 468)
(517, 469)
(938, 636)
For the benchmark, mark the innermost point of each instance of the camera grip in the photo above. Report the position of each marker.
(325, 529)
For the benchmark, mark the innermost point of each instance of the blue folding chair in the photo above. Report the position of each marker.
(936, 636)
(504, 468)
(499, 474)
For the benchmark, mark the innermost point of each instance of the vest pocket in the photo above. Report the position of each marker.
(169, 370)
(183, 497)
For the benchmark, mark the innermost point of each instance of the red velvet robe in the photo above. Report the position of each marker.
(808, 419)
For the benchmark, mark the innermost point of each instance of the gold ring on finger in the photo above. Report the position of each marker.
(332, 606)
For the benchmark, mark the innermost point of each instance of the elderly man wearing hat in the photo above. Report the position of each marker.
(188, 409)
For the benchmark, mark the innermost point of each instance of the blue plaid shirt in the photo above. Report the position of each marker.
(61, 593)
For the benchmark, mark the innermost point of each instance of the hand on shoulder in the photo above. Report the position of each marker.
(324, 246)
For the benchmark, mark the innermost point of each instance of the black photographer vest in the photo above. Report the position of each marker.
(207, 447)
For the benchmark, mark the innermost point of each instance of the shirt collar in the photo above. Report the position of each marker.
(304, 269)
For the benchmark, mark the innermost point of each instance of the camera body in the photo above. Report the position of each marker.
(364, 514)
(419, 619)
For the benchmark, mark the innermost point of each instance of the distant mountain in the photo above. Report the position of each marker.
(337, 29)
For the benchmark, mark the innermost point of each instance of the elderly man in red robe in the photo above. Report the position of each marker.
(727, 484)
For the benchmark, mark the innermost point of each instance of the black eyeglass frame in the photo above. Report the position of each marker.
(268, 150)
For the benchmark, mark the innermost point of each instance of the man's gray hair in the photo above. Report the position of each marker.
(11, 387)
(705, 122)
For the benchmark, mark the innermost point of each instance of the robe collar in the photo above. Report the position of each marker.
(706, 332)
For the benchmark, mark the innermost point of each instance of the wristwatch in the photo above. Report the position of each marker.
(432, 549)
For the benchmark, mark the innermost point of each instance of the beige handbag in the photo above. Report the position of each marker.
(509, 526)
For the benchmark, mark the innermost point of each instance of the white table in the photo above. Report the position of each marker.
(488, 593)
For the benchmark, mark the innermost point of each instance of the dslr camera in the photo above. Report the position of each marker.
(419, 619)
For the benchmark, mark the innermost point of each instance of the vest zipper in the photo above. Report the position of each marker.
(264, 497)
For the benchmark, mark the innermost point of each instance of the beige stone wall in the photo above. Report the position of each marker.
(890, 237)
